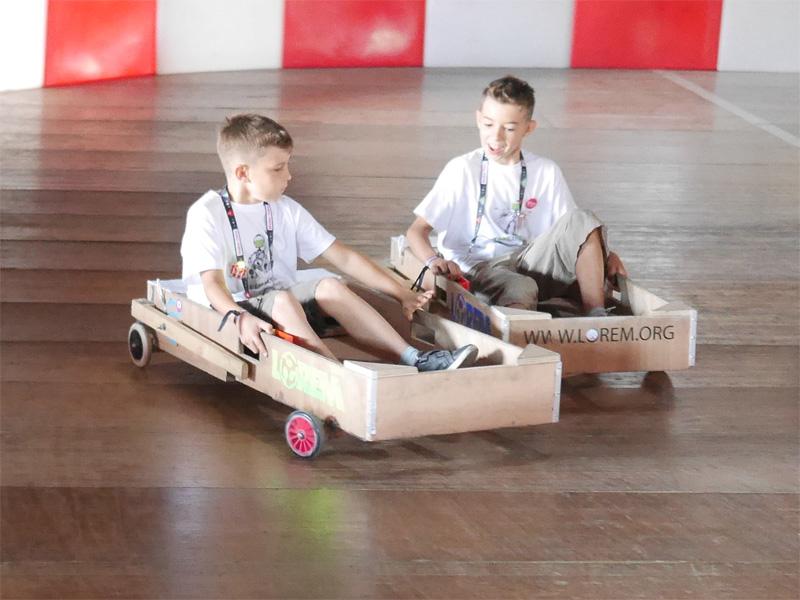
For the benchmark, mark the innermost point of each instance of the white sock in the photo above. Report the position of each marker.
(409, 356)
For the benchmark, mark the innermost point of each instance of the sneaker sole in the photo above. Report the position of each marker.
(465, 359)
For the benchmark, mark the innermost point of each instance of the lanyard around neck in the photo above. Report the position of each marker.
(237, 238)
(517, 206)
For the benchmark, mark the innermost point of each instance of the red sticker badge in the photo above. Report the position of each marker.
(531, 203)
(239, 270)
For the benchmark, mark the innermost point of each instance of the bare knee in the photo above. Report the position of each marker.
(285, 306)
(331, 288)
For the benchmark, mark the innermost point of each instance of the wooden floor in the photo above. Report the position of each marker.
(166, 483)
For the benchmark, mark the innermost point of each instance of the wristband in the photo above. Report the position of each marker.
(433, 258)
(236, 314)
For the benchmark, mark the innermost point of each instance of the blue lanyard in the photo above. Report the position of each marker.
(237, 238)
(516, 207)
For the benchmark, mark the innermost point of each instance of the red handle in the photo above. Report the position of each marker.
(284, 336)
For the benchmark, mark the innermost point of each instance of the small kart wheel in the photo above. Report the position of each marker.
(304, 434)
(140, 344)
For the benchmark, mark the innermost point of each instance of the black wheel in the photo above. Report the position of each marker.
(140, 344)
(305, 434)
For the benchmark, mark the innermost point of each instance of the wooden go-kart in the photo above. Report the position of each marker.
(371, 400)
(642, 333)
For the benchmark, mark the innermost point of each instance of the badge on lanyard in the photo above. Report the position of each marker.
(239, 270)
(511, 239)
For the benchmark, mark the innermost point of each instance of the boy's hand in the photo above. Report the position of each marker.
(448, 268)
(413, 301)
(250, 328)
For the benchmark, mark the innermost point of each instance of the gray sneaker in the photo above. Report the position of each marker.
(447, 360)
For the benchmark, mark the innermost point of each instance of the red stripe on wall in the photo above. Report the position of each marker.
(89, 40)
(646, 34)
(353, 33)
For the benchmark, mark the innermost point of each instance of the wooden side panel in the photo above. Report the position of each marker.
(179, 334)
(307, 381)
(472, 399)
(202, 319)
(609, 344)
(290, 374)
(170, 346)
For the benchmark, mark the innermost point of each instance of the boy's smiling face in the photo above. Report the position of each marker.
(502, 128)
(266, 177)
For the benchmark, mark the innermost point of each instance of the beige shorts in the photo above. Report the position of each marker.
(304, 292)
(543, 270)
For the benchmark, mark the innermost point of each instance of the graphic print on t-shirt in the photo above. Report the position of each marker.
(507, 219)
(259, 272)
(508, 222)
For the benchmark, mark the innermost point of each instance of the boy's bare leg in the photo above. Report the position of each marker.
(357, 317)
(590, 272)
(288, 315)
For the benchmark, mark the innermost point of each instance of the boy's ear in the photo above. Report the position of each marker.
(241, 172)
(478, 116)
(531, 126)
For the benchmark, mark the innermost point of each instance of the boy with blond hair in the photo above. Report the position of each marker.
(506, 220)
(240, 251)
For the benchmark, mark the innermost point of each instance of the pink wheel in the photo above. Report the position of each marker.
(304, 434)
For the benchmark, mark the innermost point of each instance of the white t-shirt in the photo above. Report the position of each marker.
(208, 244)
(452, 205)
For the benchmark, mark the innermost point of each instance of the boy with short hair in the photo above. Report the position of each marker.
(240, 250)
(506, 220)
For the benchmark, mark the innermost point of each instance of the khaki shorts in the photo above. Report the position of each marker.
(304, 292)
(543, 270)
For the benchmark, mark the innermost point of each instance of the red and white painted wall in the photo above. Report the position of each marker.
(59, 42)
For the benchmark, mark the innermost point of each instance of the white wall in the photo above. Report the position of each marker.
(760, 35)
(22, 44)
(498, 33)
(219, 35)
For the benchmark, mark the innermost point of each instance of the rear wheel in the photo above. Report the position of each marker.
(305, 434)
(141, 343)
